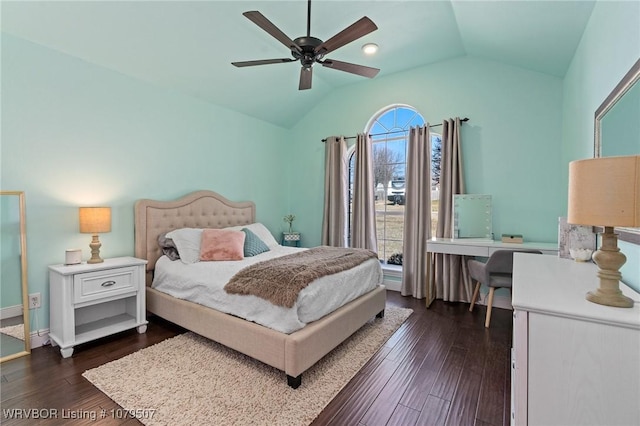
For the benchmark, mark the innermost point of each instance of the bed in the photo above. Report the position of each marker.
(292, 353)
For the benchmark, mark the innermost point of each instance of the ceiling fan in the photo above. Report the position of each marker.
(309, 50)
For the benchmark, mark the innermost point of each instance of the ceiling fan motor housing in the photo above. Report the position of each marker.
(308, 55)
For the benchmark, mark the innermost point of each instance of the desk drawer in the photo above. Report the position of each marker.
(464, 250)
(101, 284)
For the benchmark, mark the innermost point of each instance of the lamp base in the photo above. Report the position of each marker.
(609, 260)
(602, 298)
(95, 250)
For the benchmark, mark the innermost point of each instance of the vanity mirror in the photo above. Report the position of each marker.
(14, 314)
(617, 129)
(472, 216)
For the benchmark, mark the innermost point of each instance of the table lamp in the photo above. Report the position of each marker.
(95, 220)
(605, 192)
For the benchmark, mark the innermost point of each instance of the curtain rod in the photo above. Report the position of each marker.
(462, 120)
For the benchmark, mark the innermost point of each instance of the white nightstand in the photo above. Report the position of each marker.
(89, 301)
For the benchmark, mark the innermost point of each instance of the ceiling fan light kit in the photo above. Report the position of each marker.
(310, 50)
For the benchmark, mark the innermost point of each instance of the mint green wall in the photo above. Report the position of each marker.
(511, 145)
(609, 47)
(77, 134)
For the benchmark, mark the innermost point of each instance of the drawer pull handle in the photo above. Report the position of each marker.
(108, 283)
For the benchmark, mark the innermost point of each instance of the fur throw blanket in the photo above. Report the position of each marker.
(280, 280)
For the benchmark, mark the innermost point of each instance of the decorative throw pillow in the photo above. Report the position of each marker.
(187, 240)
(168, 247)
(252, 244)
(261, 232)
(222, 244)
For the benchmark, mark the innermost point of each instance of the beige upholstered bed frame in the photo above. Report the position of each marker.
(292, 353)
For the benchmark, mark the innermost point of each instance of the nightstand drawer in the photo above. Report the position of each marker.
(100, 284)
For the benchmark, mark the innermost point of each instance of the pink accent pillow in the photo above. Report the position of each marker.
(221, 244)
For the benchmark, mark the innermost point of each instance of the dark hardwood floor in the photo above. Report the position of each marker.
(442, 367)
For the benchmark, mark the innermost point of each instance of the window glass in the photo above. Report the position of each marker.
(389, 132)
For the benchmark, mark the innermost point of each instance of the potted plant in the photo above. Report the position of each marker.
(289, 219)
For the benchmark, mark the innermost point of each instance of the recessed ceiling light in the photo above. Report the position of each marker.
(370, 48)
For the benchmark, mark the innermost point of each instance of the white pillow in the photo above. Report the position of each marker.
(260, 230)
(187, 241)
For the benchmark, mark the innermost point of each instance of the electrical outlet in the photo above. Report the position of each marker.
(34, 300)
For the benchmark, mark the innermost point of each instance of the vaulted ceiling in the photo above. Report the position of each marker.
(188, 46)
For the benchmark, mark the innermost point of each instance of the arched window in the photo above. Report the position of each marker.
(389, 130)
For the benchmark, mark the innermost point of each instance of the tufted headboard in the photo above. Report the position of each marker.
(200, 209)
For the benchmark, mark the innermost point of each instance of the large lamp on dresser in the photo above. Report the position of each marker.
(605, 192)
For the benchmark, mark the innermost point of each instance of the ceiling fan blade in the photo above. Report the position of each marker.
(262, 62)
(352, 68)
(353, 32)
(305, 78)
(259, 19)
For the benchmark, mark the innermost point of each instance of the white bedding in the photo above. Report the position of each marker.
(203, 283)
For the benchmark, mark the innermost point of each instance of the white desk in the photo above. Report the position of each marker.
(474, 247)
(482, 247)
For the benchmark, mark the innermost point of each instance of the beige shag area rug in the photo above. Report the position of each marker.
(190, 380)
(16, 331)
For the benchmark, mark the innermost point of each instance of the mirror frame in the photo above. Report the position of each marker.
(23, 273)
(631, 235)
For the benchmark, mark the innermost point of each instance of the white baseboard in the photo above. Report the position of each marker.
(393, 281)
(499, 301)
(39, 338)
(11, 311)
(392, 277)
(392, 285)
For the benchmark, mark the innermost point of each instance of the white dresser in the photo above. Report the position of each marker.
(573, 362)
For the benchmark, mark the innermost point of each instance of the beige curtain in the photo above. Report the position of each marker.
(417, 213)
(363, 225)
(452, 280)
(334, 221)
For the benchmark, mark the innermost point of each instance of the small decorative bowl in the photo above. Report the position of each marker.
(581, 254)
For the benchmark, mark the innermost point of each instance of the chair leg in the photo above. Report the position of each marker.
(489, 305)
(475, 296)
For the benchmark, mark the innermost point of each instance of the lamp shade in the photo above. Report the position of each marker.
(94, 220)
(605, 191)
